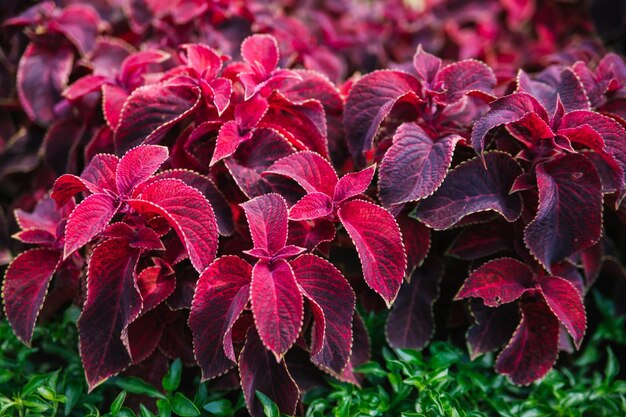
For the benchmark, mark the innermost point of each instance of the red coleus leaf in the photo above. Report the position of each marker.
(471, 188)
(101, 172)
(378, 241)
(498, 282)
(25, 286)
(415, 165)
(332, 303)
(267, 221)
(112, 294)
(426, 66)
(416, 239)
(137, 165)
(566, 303)
(310, 170)
(569, 217)
(481, 240)
(464, 77)
(555, 82)
(188, 212)
(42, 74)
(144, 335)
(261, 372)
(309, 234)
(410, 323)
(80, 24)
(533, 349)
(222, 292)
(493, 327)
(311, 206)
(155, 284)
(353, 184)
(276, 305)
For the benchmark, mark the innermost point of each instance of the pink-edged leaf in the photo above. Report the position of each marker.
(426, 65)
(35, 237)
(311, 206)
(505, 110)
(101, 172)
(353, 184)
(113, 99)
(472, 188)
(88, 219)
(144, 335)
(25, 287)
(592, 259)
(289, 251)
(108, 55)
(67, 186)
(222, 292)
(188, 212)
(553, 85)
(267, 222)
(378, 241)
(493, 327)
(498, 282)
(135, 66)
(277, 305)
(41, 76)
(567, 305)
(360, 350)
(309, 234)
(261, 53)
(137, 165)
(151, 111)
(259, 371)
(481, 240)
(332, 303)
(155, 284)
(222, 90)
(80, 24)
(249, 113)
(533, 349)
(416, 239)
(228, 140)
(462, 77)
(202, 59)
(569, 217)
(113, 302)
(46, 216)
(84, 86)
(313, 172)
(370, 100)
(411, 322)
(414, 166)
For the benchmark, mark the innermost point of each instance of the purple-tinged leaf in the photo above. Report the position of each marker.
(277, 305)
(151, 111)
(155, 284)
(67, 186)
(41, 76)
(309, 234)
(426, 65)
(188, 212)
(267, 221)
(46, 216)
(202, 59)
(493, 327)
(353, 184)
(569, 217)
(101, 172)
(228, 140)
(35, 237)
(378, 241)
(466, 76)
(25, 287)
(260, 52)
(414, 166)
(505, 110)
(80, 24)
(481, 240)
(289, 251)
(261, 372)
(411, 322)
(313, 172)
(84, 86)
(471, 188)
(416, 239)
(144, 335)
(88, 219)
(592, 259)
(113, 99)
(311, 206)
(500, 281)
(567, 305)
(370, 100)
(222, 292)
(360, 350)
(113, 302)
(137, 165)
(332, 303)
(533, 349)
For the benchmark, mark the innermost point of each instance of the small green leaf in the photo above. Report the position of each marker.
(144, 412)
(138, 386)
(183, 406)
(219, 407)
(164, 407)
(73, 392)
(126, 412)
(116, 405)
(171, 380)
(612, 366)
(270, 409)
(46, 393)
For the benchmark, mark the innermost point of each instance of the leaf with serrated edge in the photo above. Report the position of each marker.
(566, 303)
(88, 219)
(492, 328)
(137, 165)
(311, 206)
(267, 221)
(353, 184)
(313, 172)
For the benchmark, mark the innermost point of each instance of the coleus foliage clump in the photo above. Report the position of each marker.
(218, 203)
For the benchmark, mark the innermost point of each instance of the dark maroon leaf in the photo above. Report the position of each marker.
(567, 305)
(493, 327)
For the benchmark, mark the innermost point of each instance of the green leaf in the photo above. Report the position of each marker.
(219, 407)
(612, 366)
(116, 405)
(183, 406)
(73, 392)
(126, 412)
(46, 393)
(171, 380)
(164, 407)
(270, 409)
(139, 386)
(144, 412)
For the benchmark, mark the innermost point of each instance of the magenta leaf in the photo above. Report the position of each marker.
(267, 221)
(498, 282)
(276, 305)
(493, 327)
(311, 206)
(137, 165)
(67, 186)
(155, 284)
(222, 292)
(567, 305)
(466, 76)
(261, 372)
(309, 169)
(410, 323)
(261, 53)
(353, 184)
(471, 188)
(228, 140)
(188, 212)
(533, 349)
(151, 111)
(88, 219)
(426, 65)
(370, 100)
(309, 234)
(378, 241)
(332, 303)
(41, 76)
(101, 172)
(569, 217)
(112, 294)
(415, 165)
(80, 24)
(25, 286)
